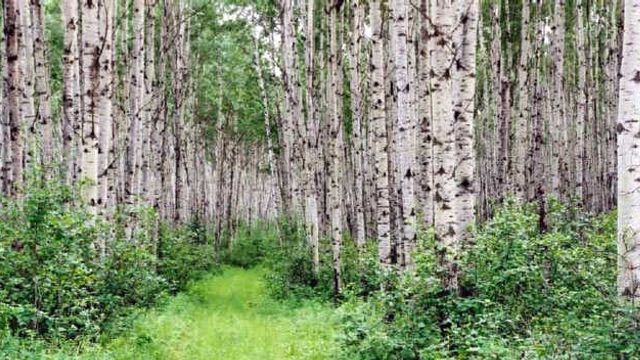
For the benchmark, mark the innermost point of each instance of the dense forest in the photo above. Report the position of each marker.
(320, 179)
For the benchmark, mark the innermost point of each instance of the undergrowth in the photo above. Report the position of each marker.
(65, 274)
(525, 294)
(292, 275)
(221, 316)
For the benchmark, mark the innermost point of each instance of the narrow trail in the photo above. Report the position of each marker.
(228, 317)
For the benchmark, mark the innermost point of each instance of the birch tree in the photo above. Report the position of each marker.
(42, 88)
(406, 126)
(335, 151)
(425, 151)
(628, 157)
(453, 106)
(310, 145)
(104, 113)
(292, 107)
(13, 43)
(137, 100)
(90, 87)
(357, 108)
(31, 129)
(517, 177)
(380, 140)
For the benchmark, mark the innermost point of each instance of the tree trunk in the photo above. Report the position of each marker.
(151, 140)
(453, 108)
(381, 142)
(137, 101)
(70, 89)
(406, 127)
(557, 130)
(90, 83)
(628, 155)
(357, 109)
(425, 154)
(13, 44)
(292, 108)
(43, 92)
(310, 146)
(518, 169)
(335, 147)
(31, 130)
(104, 101)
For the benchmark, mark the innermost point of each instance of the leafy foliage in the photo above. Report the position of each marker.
(250, 245)
(525, 294)
(184, 253)
(292, 272)
(56, 283)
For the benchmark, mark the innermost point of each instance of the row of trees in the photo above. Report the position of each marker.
(401, 115)
(119, 113)
(375, 118)
(112, 122)
(363, 154)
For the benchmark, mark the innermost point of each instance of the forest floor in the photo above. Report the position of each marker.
(227, 317)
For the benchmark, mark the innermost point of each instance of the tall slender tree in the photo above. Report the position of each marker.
(13, 88)
(453, 107)
(380, 140)
(310, 141)
(335, 151)
(406, 125)
(628, 155)
(357, 109)
(42, 88)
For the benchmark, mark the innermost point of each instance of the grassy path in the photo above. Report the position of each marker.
(228, 317)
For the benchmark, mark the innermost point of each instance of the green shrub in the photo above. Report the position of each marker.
(525, 294)
(290, 265)
(291, 272)
(48, 272)
(66, 274)
(128, 278)
(250, 245)
(184, 253)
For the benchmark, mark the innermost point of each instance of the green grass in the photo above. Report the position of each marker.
(228, 317)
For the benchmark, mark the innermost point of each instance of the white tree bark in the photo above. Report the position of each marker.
(13, 42)
(629, 157)
(406, 127)
(151, 140)
(453, 107)
(444, 153)
(464, 109)
(357, 109)
(292, 109)
(42, 90)
(31, 131)
(335, 147)
(558, 128)
(310, 146)
(380, 140)
(137, 101)
(518, 169)
(104, 113)
(425, 153)
(90, 85)
(271, 162)
(581, 103)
